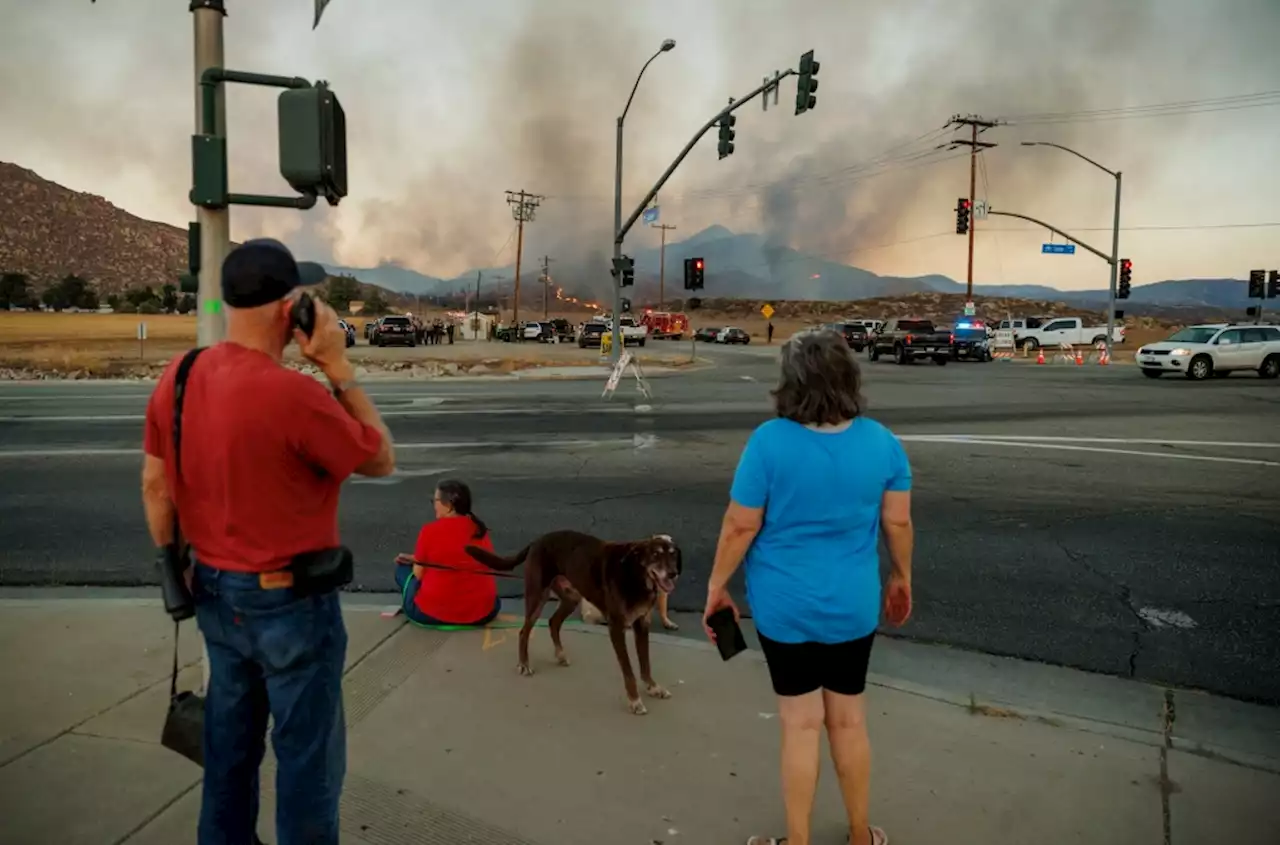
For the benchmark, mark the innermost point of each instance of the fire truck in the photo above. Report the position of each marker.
(665, 324)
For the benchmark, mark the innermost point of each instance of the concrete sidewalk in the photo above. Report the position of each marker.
(448, 744)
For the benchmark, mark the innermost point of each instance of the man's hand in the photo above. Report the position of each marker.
(327, 346)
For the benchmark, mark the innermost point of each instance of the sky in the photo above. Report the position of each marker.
(450, 105)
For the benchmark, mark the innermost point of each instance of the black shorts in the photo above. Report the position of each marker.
(800, 668)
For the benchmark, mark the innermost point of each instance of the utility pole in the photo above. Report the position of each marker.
(975, 123)
(546, 283)
(662, 263)
(523, 208)
(215, 223)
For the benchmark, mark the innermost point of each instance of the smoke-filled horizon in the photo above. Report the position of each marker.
(449, 107)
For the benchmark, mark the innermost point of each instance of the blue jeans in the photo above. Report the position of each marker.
(409, 586)
(273, 654)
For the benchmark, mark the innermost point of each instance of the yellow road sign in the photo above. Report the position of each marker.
(767, 311)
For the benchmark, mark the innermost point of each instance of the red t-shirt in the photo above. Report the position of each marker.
(265, 450)
(456, 597)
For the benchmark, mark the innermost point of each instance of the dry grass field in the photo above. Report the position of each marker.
(106, 344)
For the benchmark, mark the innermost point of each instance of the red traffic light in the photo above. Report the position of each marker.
(964, 203)
(698, 264)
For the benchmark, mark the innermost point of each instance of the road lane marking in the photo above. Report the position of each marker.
(1129, 440)
(1025, 444)
(400, 476)
(400, 447)
(1159, 618)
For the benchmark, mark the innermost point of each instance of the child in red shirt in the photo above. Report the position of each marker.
(463, 594)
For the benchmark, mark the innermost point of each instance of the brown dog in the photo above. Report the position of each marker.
(623, 580)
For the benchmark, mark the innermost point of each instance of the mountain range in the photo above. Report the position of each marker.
(745, 265)
(48, 231)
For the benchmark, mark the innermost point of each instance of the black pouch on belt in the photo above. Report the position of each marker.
(322, 570)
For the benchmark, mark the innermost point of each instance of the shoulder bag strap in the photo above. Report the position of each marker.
(179, 397)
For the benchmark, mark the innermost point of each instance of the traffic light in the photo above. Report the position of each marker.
(693, 268)
(624, 269)
(726, 134)
(313, 142)
(962, 216)
(807, 85)
(1273, 285)
(1256, 287)
(1126, 276)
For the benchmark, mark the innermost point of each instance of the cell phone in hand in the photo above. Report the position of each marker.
(729, 637)
(303, 314)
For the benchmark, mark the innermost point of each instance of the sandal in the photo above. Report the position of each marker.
(878, 836)
(766, 840)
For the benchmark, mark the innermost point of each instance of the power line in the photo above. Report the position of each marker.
(1262, 98)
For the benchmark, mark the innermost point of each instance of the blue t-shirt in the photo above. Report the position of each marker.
(813, 571)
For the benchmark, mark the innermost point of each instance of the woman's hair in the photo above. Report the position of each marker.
(820, 381)
(457, 495)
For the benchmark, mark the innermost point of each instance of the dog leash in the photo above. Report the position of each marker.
(491, 572)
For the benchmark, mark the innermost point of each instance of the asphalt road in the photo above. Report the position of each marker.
(1083, 516)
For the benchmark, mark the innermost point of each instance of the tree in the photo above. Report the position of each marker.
(137, 296)
(340, 291)
(113, 301)
(169, 299)
(186, 304)
(375, 304)
(150, 306)
(14, 292)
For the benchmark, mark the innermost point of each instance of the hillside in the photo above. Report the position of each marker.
(48, 231)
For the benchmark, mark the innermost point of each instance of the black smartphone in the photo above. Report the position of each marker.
(729, 637)
(303, 314)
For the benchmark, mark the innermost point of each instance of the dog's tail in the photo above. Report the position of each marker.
(502, 564)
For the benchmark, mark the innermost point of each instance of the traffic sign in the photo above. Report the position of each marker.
(969, 309)
(767, 311)
(980, 209)
(1058, 249)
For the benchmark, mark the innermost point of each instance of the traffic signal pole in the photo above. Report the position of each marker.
(1115, 235)
(662, 266)
(215, 223)
(975, 123)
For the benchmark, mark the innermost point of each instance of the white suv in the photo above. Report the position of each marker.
(1217, 350)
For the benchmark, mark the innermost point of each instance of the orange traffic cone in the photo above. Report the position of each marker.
(1103, 358)
(1040, 357)
(1079, 358)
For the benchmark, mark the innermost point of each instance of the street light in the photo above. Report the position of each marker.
(668, 45)
(1115, 235)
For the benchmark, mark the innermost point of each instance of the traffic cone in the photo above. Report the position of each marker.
(1079, 358)
(1040, 357)
(1103, 358)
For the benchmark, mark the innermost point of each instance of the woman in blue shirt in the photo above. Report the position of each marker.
(812, 491)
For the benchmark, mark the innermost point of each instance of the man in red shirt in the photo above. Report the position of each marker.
(265, 450)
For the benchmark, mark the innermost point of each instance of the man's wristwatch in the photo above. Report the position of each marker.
(343, 386)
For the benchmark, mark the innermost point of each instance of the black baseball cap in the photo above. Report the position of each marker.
(263, 270)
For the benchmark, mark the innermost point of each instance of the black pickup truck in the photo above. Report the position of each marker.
(906, 340)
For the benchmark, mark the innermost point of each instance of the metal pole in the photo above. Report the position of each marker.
(662, 271)
(215, 224)
(1115, 269)
(616, 348)
(973, 187)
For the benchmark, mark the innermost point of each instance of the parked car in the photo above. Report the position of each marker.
(538, 331)
(591, 332)
(706, 334)
(733, 334)
(1070, 331)
(562, 330)
(909, 339)
(394, 329)
(854, 334)
(1216, 349)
